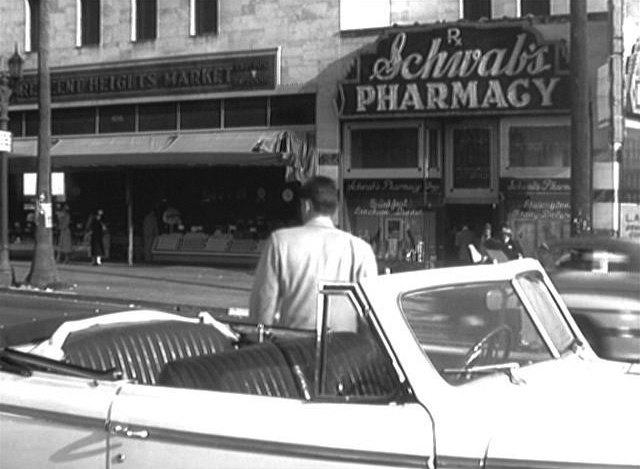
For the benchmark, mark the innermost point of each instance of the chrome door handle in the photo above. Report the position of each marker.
(129, 432)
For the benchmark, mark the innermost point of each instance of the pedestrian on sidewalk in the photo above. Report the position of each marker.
(64, 234)
(149, 232)
(97, 230)
(294, 261)
(463, 239)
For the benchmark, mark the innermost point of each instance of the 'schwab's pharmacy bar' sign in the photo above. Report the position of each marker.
(456, 70)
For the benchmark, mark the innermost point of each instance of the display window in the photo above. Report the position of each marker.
(539, 210)
(536, 147)
(390, 215)
(389, 149)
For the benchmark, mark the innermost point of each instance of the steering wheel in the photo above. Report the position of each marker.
(496, 344)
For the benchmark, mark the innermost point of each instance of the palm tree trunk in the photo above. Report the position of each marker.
(44, 273)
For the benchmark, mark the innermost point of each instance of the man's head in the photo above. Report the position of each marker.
(322, 194)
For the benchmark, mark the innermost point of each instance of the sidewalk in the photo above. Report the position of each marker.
(175, 287)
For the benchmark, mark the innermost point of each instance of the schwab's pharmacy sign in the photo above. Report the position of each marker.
(458, 69)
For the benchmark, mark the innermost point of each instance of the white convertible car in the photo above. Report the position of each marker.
(468, 367)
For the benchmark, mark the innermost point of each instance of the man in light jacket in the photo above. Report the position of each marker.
(295, 260)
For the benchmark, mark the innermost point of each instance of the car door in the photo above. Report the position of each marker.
(331, 427)
(51, 420)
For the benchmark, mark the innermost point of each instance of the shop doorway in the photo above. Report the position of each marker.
(458, 215)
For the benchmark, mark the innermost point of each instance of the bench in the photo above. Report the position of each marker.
(140, 350)
(285, 368)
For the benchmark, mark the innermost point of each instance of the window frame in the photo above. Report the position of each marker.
(472, 195)
(355, 295)
(135, 17)
(530, 172)
(193, 19)
(81, 24)
(417, 171)
(31, 17)
(463, 13)
(520, 9)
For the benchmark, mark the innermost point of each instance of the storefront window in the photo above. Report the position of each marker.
(293, 110)
(535, 147)
(157, 116)
(15, 123)
(200, 114)
(388, 214)
(385, 149)
(242, 112)
(547, 146)
(32, 123)
(73, 121)
(115, 119)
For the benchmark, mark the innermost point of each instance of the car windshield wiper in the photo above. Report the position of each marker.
(506, 368)
(25, 363)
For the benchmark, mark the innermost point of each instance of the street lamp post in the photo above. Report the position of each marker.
(7, 82)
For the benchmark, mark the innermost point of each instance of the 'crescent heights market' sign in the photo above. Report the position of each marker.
(458, 69)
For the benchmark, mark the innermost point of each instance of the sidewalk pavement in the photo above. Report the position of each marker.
(175, 287)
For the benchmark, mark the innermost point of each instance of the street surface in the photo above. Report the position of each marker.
(27, 315)
(90, 290)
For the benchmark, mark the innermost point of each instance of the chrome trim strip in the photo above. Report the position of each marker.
(52, 416)
(335, 455)
(453, 462)
(532, 464)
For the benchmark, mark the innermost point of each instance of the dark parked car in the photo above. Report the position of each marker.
(599, 280)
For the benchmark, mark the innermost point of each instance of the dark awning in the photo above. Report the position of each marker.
(233, 148)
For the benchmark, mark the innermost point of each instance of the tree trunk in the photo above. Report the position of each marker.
(44, 273)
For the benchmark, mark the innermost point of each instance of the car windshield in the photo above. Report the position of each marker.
(470, 329)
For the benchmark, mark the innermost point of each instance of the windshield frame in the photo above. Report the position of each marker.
(556, 349)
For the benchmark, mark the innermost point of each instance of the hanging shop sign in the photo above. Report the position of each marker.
(456, 69)
(632, 81)
(214, 73)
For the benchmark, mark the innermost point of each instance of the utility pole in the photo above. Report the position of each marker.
(44, 273)
(581, 164)
(617, 125)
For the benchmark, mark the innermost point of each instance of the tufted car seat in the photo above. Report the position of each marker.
(140, 350)
(256, 369)
(355, 366)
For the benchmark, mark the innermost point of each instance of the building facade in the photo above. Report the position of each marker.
(430, 115)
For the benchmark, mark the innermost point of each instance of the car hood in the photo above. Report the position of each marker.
(583, 412)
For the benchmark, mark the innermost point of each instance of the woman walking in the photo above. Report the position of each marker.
(64, 234)
(97, 230)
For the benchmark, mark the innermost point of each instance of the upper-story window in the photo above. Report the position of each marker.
(144, 14)
(88, 23)
(32, 21)
(203, 17)
(378, 14)
(535, 7)
(475, 9)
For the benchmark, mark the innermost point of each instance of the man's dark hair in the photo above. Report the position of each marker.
(322, 192)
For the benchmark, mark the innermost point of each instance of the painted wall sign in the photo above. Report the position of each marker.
(537, 198)
(208, 74)
(457, 69)
(384, 196)
(630, 221)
